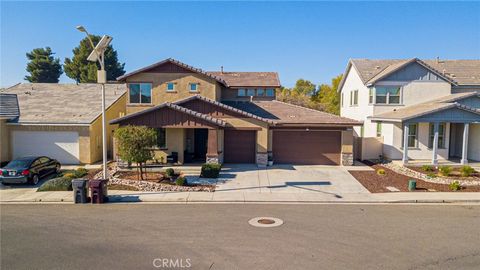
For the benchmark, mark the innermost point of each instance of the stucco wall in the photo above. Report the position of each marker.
(175, 142)
(207, 87)
(418, 92)
(4, 141)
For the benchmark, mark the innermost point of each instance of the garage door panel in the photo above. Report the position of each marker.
(239, 146)
(307, 147)
(61, 145)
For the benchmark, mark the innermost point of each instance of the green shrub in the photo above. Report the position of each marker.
(431, 175)
(70, 175)
(445, 170)
(210, 170)
(455, 185)
(427, 168)
(381, 172)
(57, 184)
(181, 181)
(81, 172)
(467, 171)
(169, 172)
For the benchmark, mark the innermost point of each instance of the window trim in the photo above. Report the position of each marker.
(354, 98)
(408, 136)
(431, 134)
(371, 96)
(387, 96)
(196, 87)
(174, 87)
(272, 90)
(254, 92)
(140, 94)
(244, 92)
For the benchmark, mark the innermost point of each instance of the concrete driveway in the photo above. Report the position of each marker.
(332, 180)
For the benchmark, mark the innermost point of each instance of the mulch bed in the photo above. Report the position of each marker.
(156, 177)
(378, 183)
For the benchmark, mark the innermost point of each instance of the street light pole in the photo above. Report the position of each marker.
(101, 79)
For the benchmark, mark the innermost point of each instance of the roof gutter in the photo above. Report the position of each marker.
(47, 124)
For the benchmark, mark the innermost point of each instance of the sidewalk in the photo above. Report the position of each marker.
(120, 196)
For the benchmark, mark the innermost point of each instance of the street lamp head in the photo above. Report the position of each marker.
(81, 28)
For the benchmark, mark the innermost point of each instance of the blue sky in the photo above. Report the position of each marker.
(310, 40)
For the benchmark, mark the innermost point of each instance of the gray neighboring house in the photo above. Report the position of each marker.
(62, 121)
(414, 109)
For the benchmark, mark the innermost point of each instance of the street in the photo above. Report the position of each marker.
(218, 236)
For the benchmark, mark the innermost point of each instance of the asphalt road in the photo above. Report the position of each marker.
(218, 236)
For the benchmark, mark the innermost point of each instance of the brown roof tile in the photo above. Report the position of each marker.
(248, 79)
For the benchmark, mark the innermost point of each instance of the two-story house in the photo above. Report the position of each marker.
(414, 109)
(230, 117)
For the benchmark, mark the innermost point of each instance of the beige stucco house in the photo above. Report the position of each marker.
(230, 117)
(62, 121)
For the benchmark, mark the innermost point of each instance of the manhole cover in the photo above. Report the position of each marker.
(265, 222)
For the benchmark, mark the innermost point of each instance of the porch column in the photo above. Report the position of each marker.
(465, 144)
(435, 143)
(212, 146)
(405, 144)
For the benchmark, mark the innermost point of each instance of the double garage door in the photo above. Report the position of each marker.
(289, 147)
(60, 145)
(307, 147)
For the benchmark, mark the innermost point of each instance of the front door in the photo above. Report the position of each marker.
(200, 144)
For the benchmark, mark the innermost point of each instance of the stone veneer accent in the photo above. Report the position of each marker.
(262, 159)
(213, 160)
(347, 159)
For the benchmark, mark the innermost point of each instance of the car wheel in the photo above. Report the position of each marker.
(35, 179)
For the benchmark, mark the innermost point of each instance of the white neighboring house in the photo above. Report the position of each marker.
(414, 109)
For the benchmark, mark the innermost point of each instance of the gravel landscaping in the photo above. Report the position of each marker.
(376, 183)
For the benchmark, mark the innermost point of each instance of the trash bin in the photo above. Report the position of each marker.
(98, 190)
(80, 192)
(412, 184)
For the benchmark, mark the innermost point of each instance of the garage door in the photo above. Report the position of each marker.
(239, 146)
(307, 147)
(62, 146)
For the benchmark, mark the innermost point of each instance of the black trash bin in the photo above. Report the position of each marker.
(80, 192)
(98, 190)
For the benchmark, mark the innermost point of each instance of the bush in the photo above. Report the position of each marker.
(467, 171)
(70, 175)
(455, 185)
(57, 184)
(445, 170)
(210, 170)
(381, 172)
(181, 181)
(81, 172)
(432, 175)
(169, 172)
(427, 168)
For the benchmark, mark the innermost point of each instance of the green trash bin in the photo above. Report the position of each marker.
(412, 185)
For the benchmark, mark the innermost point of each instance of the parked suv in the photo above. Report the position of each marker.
(28, 170)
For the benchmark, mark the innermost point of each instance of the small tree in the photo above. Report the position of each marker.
(135, 144)
(43, 67)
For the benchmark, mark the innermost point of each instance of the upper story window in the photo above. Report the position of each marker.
(193, 87)
(241, 92)
(250, 92)
(170, 86)
(260, 92)
(387, 95)
(270, 92)
(354, 98)
(370, 96)
(140, 93)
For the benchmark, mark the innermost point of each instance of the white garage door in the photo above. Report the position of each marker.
(60, 145)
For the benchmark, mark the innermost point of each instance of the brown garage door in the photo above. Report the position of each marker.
(239, 146)
(307, 147)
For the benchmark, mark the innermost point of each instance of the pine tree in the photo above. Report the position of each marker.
(43, 67)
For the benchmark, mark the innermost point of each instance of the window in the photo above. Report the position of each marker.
(441, 135)
(193, 87)
(36, 163)
(44, 160)
(260, 92)
(270, 92)
(354, 98)
(379, 129)
(370, 96)
(412, 135)
(161, 138)
(250, 92)
(241, 92)
(387, 95)
(140, 92)
(170, 87)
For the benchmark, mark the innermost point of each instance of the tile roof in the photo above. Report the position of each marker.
(248, 79)
(175, 107)
(9, 106)
(52, 103)
(440, 104)
(288, 114)
(462, 72)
